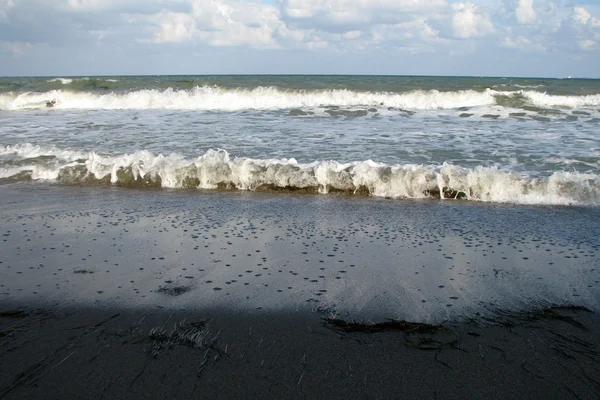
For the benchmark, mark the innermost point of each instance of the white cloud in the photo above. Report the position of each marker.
(583, 17)
(431, 31)
(174, 27)
(229, 23)
(103, 5)
(86, 4)
(258, 25)
(351, 35)
(407, 31)
(328, 14)
(523, 44)
(354, 8)
(16, 49)
(98, 34)
(468, 22)
(586, 29)
(587, 45)
(5, 6)
(525, 12)
(219, 23)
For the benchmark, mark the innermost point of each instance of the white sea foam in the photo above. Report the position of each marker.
(64, 81)
(547, 100)
(268, 98)
(27, 100)
(518, 86)
(272, 98)
(28, 150)
(217, 167)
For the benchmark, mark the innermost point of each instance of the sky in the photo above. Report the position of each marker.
(534, 38)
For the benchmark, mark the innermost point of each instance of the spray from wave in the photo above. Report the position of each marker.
(333, 101)
(264, 98)
(64, 81)
(547, 100)
(216, 169)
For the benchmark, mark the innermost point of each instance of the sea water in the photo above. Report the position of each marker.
(507, 140)
(461, 195)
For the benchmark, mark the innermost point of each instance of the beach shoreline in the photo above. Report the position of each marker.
(120, 293)
(361, 258)
(96, 352)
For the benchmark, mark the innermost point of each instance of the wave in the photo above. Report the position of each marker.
(266, 98)
(547, 100)
(64, 81)
(84, 83)
(216, 169)
(273, 98)
(214, 98)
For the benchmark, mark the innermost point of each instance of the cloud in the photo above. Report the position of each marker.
(468, 22)
(220, 23)
(523, 44)
(17, 49)
(525, 12)
(437, 33)
(83, 6)
(5, 6)
(173, 27)
(587, 45)
(226, 23)
(413, 35)
(350, 26)
(89, 5)
(359, 12)
(582, 17)
(585, 29)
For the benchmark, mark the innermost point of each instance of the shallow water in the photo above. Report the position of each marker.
(531, 141)
(364, 258)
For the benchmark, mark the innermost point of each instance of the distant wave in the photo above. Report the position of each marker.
(273, 98)
(64, 81)
(216, 169)
(267, 98)
(67, 81)
(547, 100)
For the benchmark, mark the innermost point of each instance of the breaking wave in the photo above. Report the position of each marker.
(547, 100)
(267, 98)
(216, 169)
(273, 98)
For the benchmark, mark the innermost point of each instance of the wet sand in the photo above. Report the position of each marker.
(156, 294)
(157, 354)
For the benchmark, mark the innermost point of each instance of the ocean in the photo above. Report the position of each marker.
(500, 140)
(423, 198)
(299, 237)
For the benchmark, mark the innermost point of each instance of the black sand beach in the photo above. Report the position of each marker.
(108, 353)
(112, 293)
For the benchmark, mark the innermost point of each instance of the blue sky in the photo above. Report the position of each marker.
(543, 38)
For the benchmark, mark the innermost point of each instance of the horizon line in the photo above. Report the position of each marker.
(299, 74)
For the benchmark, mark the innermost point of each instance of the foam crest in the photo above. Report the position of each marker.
(69, 81)
(28, 150)
(267, 98)
(547, 100)
(27, 100)
(27, 161)
(216, 169)
(64, 81)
